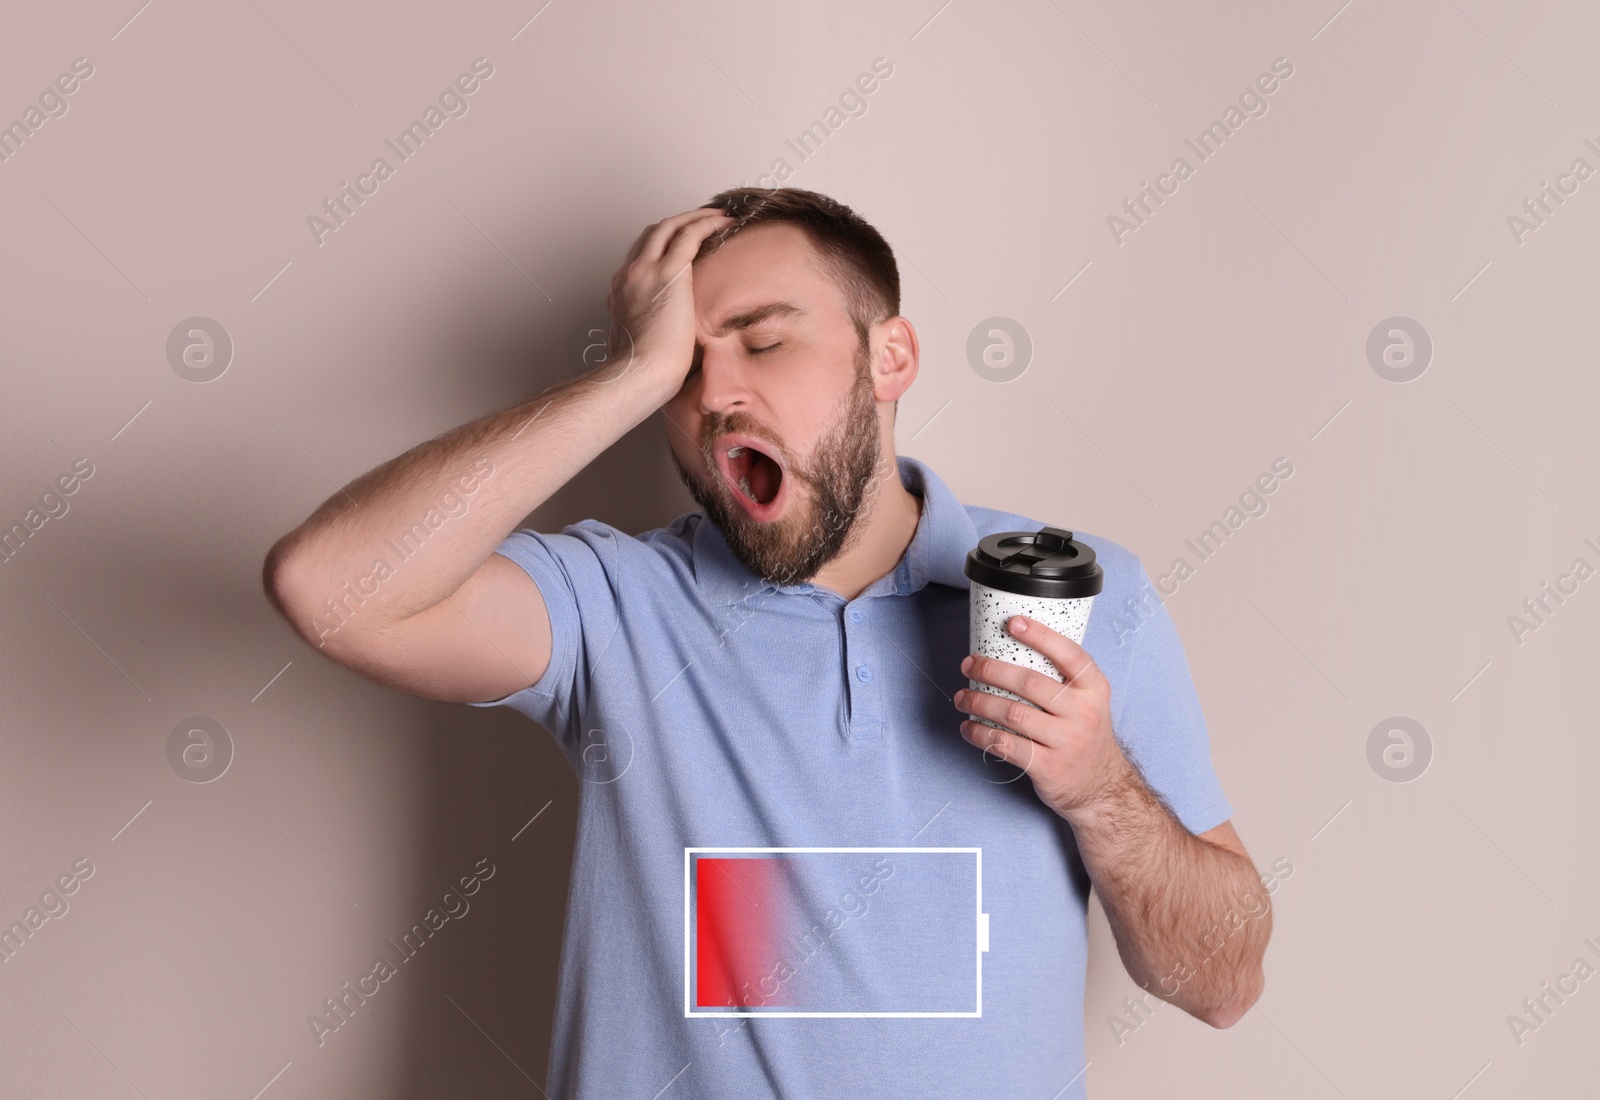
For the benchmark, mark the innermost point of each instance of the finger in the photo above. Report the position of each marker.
(1002, 744)
(1071, 659)
(690, 236)
(657, 237)
(642, 243)
(1030, 722)
(1045, 692)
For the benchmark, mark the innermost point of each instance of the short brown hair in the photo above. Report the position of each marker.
(853, 253)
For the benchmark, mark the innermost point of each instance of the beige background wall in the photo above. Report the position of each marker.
(1168, 371)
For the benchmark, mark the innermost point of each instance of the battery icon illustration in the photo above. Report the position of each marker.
(834, 932)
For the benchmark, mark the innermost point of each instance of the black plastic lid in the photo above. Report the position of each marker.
(1044, 563)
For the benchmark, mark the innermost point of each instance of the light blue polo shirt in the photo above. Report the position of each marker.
(707, 709)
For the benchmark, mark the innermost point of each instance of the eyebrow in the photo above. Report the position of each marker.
(756, 315)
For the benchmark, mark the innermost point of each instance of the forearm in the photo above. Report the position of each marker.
(518, 458)
(1190, 917)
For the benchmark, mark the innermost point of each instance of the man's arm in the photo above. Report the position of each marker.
(1190, 916)
(455, 621)
(1189, 913)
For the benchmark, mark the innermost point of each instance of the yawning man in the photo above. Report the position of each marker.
(786, 669)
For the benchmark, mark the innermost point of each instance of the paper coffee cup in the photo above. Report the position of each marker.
(1042, 574)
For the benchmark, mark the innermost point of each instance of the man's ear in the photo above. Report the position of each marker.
(894, 359)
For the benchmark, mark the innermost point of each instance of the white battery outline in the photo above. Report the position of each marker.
(982, 939)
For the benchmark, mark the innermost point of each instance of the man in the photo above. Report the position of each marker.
(786, 670)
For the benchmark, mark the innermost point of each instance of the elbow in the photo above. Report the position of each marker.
(1246, 992)
(276, 579)
(285, 582)
(294, 583)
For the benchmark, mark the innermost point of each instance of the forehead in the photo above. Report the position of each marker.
(773, 261)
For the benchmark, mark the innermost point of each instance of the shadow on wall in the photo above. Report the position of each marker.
(491, 981)
(494, 965)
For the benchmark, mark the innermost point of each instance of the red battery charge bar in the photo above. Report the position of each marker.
(834, 931)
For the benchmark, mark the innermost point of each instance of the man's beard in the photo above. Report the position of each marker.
(830, 491)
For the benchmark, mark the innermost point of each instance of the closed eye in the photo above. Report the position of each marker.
(769, 347)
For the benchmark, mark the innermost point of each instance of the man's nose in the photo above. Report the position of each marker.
(724, 382)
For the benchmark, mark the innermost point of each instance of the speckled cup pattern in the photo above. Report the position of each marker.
(990, 610)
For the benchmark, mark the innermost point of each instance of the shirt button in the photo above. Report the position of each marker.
(855, 615)
(864, 674)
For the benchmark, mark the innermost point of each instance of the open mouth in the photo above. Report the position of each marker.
(755, 475)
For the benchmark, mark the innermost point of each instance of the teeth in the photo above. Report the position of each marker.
(744, 484)
(735, 452)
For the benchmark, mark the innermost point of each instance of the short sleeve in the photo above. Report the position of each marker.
(1160, 725)
(577, 574)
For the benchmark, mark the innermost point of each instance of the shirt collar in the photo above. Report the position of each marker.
(937, 551)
